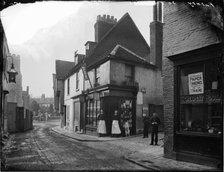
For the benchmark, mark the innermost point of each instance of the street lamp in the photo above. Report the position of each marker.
(12, 72)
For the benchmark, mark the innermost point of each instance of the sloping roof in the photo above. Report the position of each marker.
(124, 33)
(62, 68)
(74, 69)
(126, 54)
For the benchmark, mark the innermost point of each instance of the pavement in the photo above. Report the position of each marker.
(141, 153)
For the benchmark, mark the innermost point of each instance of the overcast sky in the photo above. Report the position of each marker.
(44, 31)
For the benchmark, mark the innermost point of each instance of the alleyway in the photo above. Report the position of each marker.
(42, 149)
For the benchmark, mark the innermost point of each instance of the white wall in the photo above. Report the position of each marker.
(104, 75)
(68, 101)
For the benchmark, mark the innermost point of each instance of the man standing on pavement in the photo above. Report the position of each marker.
(155, 122)
(146, 122)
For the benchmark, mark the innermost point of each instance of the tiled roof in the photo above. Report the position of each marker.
(124, 33)
(62, 68)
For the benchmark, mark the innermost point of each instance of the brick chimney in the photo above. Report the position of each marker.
(103, 25)
(156, 36)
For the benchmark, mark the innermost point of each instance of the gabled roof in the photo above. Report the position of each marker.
(124, 33)
(62, 68)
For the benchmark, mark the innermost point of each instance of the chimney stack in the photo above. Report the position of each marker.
(103, 25)
(156, 36)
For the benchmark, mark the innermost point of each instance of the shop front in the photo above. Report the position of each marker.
(198, 114)
(110, 98)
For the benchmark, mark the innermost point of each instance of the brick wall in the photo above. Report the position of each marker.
(184, 30)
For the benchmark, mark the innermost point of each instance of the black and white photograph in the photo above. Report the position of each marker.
(112, 85)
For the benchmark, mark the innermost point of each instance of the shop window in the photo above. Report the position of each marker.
(93, 109)
(129, 73)
(200, 98)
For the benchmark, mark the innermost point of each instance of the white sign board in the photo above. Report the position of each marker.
(196, 85)
(139, 98)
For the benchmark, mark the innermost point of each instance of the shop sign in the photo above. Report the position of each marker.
(213, 97)
(191, 99)
(196, 85)
(140, 98)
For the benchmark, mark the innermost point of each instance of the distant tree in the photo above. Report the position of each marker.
(35, 106)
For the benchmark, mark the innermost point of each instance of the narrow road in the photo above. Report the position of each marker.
(42, 149)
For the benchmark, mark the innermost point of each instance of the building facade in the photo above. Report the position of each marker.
(14, 98)
(193, 82)
(73, 86)
(61, 68)
(118, 72)
(4, 79)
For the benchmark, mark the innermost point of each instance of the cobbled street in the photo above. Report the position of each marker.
(42, 149)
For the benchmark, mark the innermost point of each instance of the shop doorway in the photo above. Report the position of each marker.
(125, 107)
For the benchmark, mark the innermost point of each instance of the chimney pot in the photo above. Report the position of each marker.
(104, 17)
(108, 17)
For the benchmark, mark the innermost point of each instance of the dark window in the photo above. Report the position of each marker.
(129, 73)
(200, 98)
(68, 86)
(97, 76)
(77, 80)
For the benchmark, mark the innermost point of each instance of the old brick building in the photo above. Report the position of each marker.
(193, 82)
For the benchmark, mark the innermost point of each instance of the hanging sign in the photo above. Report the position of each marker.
(196, 85)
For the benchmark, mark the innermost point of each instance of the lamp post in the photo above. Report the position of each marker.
(12, 72)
